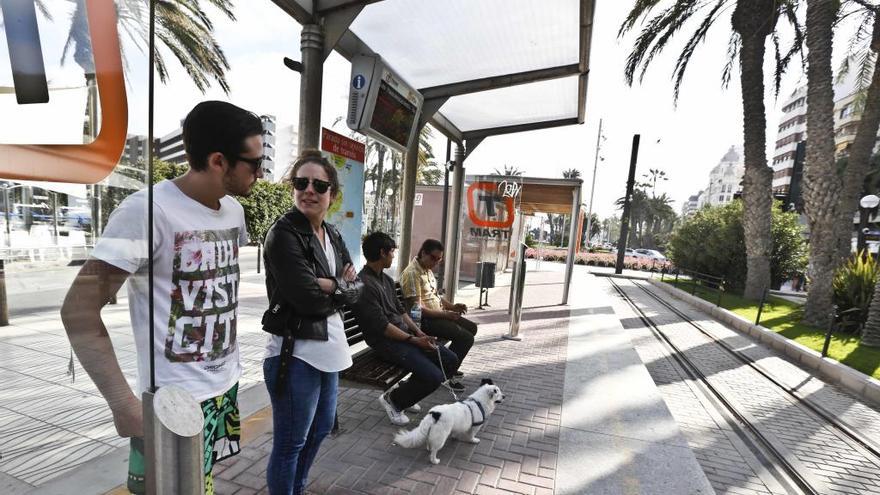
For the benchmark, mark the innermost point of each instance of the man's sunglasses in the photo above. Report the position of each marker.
(255, 163)
(301, 183)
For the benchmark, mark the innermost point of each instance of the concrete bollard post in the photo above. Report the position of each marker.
(4, 309)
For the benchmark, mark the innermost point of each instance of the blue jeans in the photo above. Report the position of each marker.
(426, 374)
(301, 416)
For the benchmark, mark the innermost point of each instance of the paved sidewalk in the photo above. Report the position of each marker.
(581, 415)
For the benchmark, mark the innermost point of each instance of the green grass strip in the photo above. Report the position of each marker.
(784, 317)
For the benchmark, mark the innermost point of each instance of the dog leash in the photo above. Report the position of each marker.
(445, 378)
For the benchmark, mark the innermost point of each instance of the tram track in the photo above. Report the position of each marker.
(792, 473)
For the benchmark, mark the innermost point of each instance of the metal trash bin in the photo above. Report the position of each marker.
(485, 274)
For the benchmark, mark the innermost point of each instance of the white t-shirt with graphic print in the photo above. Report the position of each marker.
(195, 286)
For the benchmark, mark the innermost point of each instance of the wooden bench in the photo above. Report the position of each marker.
(367, 369)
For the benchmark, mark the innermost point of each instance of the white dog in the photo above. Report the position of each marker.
(461, 419)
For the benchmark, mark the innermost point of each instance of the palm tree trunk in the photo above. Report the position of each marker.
(860, 154)
(822, 185)
(871, 330)
(394, 159)
(753, 24)
(379, 192)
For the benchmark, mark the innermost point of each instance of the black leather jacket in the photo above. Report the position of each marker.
(294, 261)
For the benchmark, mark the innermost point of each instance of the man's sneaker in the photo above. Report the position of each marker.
(415, 408)
(454, 385)
(458, 375)
(396, 417)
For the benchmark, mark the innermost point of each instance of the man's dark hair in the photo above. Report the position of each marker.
(430, 245)
(375, 243)
(217, 126)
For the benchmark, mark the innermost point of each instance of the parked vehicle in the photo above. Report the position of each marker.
(650, 254)
(629, 252)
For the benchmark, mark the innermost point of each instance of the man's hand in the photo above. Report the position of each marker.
(460, 308)
(452, 315)
(426, 343)
(128, 417)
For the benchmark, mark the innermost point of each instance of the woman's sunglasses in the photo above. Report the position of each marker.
(301, 183)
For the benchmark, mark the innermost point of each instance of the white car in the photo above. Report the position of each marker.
(629, 252)
(650, 254)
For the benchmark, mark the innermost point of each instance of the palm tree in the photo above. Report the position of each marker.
(182, 27)
(822, 185)
(653, 176)
(378, 190)
(752, 21)
(863, 49)
(509, 171)
(571, 173)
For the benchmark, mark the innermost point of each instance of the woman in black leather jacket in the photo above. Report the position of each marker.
(309, 274)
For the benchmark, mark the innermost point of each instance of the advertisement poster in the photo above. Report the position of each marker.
(346, 212)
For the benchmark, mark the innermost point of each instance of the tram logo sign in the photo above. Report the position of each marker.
(488, 207)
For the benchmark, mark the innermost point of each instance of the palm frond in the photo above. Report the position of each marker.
(641, 9)
(655, 36)
(733, 45)
(687, 52)
(788, 10)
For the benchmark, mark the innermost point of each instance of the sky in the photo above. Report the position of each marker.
(686, 141)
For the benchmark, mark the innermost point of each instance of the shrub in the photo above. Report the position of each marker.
(712, 241)
(853, 289)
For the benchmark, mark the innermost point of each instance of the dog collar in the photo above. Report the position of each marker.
(474, 421)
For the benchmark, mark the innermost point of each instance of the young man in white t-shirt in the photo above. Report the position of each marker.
(197, 230)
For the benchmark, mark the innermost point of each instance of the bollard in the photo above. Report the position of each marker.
(259, 257)
(761, 307)
(720, 293)
(831, 319)
(4, 309)
(693, 285)
(173, 431)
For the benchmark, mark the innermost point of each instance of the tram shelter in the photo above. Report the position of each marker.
(484, 68)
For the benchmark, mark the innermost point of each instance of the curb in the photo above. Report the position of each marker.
(857, 383)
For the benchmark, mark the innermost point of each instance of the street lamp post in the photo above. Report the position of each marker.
(866, 205)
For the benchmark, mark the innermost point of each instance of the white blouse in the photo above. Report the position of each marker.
(329, 355)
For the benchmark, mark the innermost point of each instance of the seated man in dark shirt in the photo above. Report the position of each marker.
(389, 330)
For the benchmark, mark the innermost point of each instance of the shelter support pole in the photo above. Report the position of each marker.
(453, 233)
(410, 170)
(312, 48)
(445, 223)
(572, 241)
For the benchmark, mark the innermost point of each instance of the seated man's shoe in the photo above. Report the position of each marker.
(454, 385)
(415, 408)
(396, 417)
(458, 375)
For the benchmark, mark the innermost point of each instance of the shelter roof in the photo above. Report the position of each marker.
(540, 195)
(490, 66)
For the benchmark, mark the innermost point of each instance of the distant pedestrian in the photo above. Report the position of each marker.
(309, 275)
(197, 231)
(394, 335)
(440, 317)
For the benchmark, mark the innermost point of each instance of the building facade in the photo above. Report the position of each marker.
(724, 179)
(691, 205)
(286, 150)
(792, 130)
